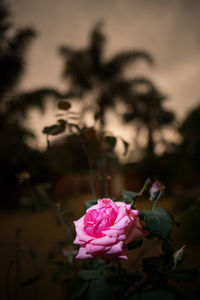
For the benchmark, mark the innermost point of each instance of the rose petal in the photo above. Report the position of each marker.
(122, 211)
(136, 232)
(124, 256)
(107, 202)
(78, 242)
(82, 235)
(116, 249)
(121, 204)
(83, 254)
(105, 240)
(90, 248)
(135, 212)
(96, 206)
(119, 235)
(122, 224)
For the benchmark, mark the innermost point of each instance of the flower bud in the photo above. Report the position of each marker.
(156, 191)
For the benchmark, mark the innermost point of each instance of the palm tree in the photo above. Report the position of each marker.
(189, 130)
(146, 110)
(12, 66)
(103, 80)
(14, 152)
(12, 51)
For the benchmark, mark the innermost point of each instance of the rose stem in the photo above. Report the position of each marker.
(91, 177)
(144, 187)
(64, 221)
(119, 268)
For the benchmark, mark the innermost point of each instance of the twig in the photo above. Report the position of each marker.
(147, 182)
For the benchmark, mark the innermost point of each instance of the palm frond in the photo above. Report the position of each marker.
(96, 46)
(115, 66)
(20, 102)
(4, 22)
(12, 61)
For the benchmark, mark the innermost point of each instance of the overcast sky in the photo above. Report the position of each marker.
(168, 29)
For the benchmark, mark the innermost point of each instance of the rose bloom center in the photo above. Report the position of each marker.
(98, 220)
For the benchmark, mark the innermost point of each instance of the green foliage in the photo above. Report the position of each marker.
(77, 289)
(184, 273)
(135, 244)
(161, 268)
(159, 294)
(91, 274)
(37, 197)
(157, 267)
(158, 222)
(169, 246)
(32, 280)
(190, 226)
(62, 270)
(99, 289)
(128, 197)
(55, 129)
(90, 203)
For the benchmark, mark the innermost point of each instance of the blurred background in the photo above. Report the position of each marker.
(97, 94)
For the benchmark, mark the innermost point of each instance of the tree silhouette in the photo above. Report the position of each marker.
(146, 110)
(189, 130)
(12, 51)
(104, 80)
(14, 152)
(12, 66)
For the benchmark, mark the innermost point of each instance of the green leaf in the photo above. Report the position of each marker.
(158, 222)
(100, 289)
(77, 289)
(110, 141)
(157, 266)
(90, 203)
(154, 295)
(128, 196)
(62, 270)
(135, 244)
(169, 246)
(90, 274)
(25, 201)
(31, 280)
(55, 129)
(184, 273)
(135, 296)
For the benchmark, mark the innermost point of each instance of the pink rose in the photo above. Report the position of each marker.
(106, 228)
